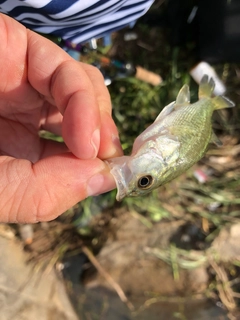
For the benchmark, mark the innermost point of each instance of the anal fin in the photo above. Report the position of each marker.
(183, 96)
(165, 111)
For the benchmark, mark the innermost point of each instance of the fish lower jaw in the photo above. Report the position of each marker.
(120, 190)
(120, 182)
(120, 172)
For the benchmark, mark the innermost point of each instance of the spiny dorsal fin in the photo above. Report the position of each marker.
(215, 140)
(183, 96)
(206, 87)
(221, 102)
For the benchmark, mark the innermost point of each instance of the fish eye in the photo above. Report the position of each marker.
(145, 182)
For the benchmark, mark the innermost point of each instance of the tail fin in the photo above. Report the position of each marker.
(221, 102)
(206, 87)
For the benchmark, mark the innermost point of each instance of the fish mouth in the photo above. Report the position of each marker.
(118, 168)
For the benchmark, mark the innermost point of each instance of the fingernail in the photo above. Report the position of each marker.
(95, 141)
(114, 149)
(100, 183)
(117, 143)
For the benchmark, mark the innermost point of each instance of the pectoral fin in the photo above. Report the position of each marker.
(168, 146)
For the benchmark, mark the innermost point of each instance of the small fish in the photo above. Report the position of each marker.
(176, 140)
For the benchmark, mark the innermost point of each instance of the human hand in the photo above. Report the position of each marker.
(43, 88)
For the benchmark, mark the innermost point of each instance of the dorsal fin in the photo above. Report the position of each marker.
(215, 140)
(221, 102)
(183, 96)
(206, 87)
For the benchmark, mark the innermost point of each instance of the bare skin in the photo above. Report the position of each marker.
(43, 88)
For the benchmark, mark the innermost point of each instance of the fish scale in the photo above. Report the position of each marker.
(176, 140)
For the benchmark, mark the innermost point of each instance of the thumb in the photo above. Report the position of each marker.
(42, 191)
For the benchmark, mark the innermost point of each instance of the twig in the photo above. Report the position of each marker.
(108, 278)
(176, 300)
(236, 295)
(226, 293)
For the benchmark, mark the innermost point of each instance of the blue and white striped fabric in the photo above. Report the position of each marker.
(75, 20)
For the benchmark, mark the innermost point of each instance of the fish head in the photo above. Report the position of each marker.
(139, 174)
(149, 167)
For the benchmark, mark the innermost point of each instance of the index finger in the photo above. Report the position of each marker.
(109, 144)
(64, 83)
